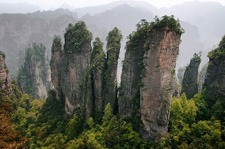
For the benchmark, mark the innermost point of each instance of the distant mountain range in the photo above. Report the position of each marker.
(18, 8)
(203, 23)
(145, 6)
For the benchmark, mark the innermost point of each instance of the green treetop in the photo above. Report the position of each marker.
(168, 22)
(114, 38)
(57, 43)
(218, 52)
(76, 37)
(98, 55)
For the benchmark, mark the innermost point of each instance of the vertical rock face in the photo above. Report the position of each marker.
(148, 75)
(97, 69)
(5, 82)
(215, 77)
(55, 65)
(71, 67)
(158, 81)
(129, 93)
(34, 76)
(74, 69)
(110, 78)
(202, 76)
(191, 77)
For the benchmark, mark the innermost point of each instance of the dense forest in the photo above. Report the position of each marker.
(85, 108)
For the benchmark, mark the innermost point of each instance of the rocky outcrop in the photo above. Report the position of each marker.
(129, 93)
(152, 61)
(191, 77)
(55, 65)
(70, 68)
(97, 71)
(5, 82)
(202, 76)
(214, 86)
(110, 76)
(34, 76)
(158, 81)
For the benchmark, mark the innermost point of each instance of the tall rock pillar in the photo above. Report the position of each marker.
(110, 76)
(158, 81)
(148, 76)
(5, 81)
(191, 77)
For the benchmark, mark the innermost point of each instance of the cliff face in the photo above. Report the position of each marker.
(74, 69)
(202, 76)
(150, 70)
(191, 77)
(110, 76)
(215, 76)
(97, 71)
(158, 81)
(55, 65)
(5, 82)
(70, 67)
(86, 78)
(129, 93)
(34, 76)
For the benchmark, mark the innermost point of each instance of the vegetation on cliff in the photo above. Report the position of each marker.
(33, 77)
(76, 37)
(110, 76)
(98, 62)
(147, 76)
(190, 83)
(214, 87)
(218, 52)
(98, 55)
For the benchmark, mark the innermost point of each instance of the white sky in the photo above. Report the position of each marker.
(47, 4)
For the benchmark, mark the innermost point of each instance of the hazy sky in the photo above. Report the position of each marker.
(47, 4)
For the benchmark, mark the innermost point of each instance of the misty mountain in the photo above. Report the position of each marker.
(18, 8)
(209, 17)
(103, 22)
(190, 44)
(66, 6)
(18, 31)
(119, 17)
(102, 8)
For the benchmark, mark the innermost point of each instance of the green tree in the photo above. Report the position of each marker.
(76, 37)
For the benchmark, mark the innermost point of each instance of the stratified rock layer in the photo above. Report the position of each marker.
(191, 77)
(5, 82)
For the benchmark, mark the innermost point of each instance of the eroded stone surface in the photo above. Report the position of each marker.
(34, 76)
(158, 81)
(5, 81)
(148, 77)
(191, 78)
